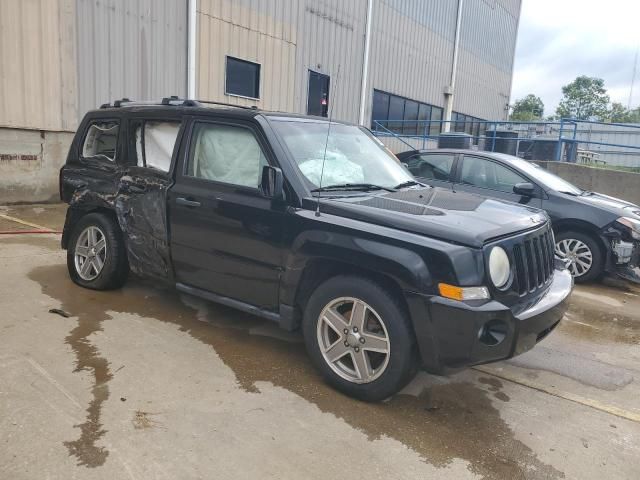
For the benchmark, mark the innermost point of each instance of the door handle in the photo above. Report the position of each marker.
(187, 203)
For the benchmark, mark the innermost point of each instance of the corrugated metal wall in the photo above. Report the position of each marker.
(37, 64)
(331, 38)
(287, 38)
(411, 48)
(485, 65)
(412, 52)
(136, 49)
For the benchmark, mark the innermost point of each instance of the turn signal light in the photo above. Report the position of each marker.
(463, 293)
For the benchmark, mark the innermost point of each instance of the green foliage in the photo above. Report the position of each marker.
(620, 114)
(585, 99)
(527, 109)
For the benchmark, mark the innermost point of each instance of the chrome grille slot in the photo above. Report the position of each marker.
(533, 261)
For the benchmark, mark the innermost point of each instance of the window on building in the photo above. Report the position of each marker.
(242, 78)
(318, 94)
(436, 121)
(380, 109)
(225, 153)
(404, 116)
(410, 126)
(396, 112)
(424, 114)
(101, 140)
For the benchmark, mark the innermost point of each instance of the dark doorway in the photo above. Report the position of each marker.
(318, 98)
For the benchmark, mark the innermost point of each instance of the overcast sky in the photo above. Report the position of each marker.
(561, 39)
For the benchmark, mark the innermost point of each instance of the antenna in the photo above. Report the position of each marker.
(326, 142)
(633, 77)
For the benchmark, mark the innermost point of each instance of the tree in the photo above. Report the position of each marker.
(528, 109)
(584, 99)
(620, 114)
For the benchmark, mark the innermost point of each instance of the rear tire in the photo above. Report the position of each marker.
(351, 359)
(96, 255)
(584, 253)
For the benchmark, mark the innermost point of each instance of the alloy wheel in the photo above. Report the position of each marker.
(577, 254)
(90, 253)
(353, 340)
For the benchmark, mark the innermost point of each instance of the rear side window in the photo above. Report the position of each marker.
(435, 166)
(226, 153)
(155, 141)
(101, 140)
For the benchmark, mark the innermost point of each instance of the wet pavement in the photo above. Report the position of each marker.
(145, 383)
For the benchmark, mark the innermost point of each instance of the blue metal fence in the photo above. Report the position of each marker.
(581, 141)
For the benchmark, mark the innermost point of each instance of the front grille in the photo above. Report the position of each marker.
(533, 259)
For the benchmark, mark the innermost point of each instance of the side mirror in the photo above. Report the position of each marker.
(272, 184)
(525, 189)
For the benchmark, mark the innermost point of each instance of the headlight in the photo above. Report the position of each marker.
(499, 267)
(632, 224)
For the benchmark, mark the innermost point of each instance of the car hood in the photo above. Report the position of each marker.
(456, 217)
(613, 205)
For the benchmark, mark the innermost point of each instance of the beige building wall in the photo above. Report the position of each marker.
(287, 38)
(267, 37)
(38, 64)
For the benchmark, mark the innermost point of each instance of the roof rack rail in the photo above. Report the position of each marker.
(212, 102)
(173, 100)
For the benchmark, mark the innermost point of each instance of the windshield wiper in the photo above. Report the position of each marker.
(362, 187)
(573, 194)
(408, 183)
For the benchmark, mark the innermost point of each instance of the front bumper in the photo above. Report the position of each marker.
(452, 335)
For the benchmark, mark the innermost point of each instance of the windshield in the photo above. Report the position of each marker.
(544, 176)
(354, 156)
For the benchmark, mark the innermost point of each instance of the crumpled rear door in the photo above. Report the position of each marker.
(141, 209)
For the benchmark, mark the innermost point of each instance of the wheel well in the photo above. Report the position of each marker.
(318, 271)
(582, 227)
(81, 213)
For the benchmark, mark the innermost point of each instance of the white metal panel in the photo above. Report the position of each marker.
(135, 49)
(412, 51)
(287, 38)
(37, 64)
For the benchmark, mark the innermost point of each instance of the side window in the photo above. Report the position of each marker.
(226, 153)
(101, 140)
(154, 143)
(434, 166)
(487, 174)
(242, 78)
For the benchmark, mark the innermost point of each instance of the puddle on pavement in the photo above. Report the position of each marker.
(446, 421)
(599, 326)
(495, 386)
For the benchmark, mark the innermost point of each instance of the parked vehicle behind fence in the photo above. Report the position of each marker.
(595, 233)
(270, 214)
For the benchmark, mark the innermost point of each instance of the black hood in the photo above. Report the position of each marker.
(457, 217)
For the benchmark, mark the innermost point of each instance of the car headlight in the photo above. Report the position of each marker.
(499, 267)
(632, 224)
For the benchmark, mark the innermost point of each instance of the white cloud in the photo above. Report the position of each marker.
(561, 39)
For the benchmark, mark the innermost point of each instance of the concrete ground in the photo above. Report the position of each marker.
(144, 383)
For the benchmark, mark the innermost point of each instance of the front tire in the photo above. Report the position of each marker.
(358, 336)
(96, 256)
(583, 253)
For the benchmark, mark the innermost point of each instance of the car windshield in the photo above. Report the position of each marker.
(354, 157)
(544, 176)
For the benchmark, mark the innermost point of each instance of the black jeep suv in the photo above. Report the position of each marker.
(310, 224)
